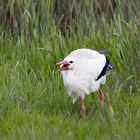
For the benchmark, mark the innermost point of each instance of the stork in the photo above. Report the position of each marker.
(83, 71)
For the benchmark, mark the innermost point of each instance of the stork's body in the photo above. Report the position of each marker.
(83, 72)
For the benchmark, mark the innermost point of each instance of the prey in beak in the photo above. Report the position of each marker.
(64, 65)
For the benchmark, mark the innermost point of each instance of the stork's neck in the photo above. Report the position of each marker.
(67, 73)
(68, 76)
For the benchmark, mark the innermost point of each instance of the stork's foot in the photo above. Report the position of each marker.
(83, 108)
(102, 96)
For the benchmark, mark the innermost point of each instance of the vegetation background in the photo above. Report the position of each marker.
(34, 36)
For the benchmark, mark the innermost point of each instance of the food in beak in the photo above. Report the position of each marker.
(64, 65)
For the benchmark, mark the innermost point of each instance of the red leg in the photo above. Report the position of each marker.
(102, 96)
(83, 108)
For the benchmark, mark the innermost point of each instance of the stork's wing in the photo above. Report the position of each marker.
(105, 69)
(103, 51)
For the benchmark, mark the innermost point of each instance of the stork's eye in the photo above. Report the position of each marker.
(71, 62)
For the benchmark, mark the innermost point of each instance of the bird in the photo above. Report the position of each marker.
(83, 72)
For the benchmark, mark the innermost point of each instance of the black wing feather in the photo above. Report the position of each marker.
(105, 69)
(103, 51)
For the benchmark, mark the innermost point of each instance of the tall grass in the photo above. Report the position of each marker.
(22, 16)
(33, 101)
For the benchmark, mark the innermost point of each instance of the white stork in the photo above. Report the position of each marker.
(83, 71)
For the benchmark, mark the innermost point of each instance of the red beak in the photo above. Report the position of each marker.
(63, 65)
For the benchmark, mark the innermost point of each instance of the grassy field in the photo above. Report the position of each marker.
(33, 101)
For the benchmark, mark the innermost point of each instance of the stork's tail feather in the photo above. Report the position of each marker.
(103, 51)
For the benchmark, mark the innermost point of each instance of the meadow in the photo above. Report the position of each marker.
(34, 104)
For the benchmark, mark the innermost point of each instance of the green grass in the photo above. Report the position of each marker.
(33, 101)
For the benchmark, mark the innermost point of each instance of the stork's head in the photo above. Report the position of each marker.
(66, 65)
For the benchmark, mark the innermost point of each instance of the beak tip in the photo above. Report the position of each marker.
(61, 62)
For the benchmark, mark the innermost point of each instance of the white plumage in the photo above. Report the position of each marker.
(80, 71)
